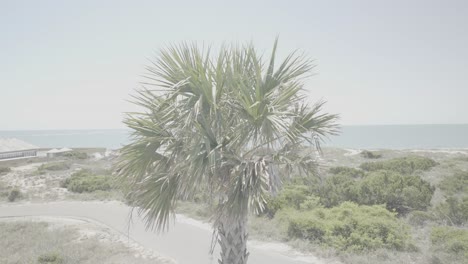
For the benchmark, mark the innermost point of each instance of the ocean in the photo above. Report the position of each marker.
(356, 137)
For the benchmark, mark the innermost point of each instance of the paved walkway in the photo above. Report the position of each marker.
(187, 241)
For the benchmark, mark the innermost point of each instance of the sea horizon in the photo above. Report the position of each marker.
(381, 136)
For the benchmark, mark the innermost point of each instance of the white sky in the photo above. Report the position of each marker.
(72, 64)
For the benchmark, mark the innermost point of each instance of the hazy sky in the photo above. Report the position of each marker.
(72, 64)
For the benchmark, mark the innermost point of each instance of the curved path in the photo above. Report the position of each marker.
(187, 241)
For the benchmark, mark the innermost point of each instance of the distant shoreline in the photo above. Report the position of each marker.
(393, 137)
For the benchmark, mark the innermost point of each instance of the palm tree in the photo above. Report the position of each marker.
(228, 123)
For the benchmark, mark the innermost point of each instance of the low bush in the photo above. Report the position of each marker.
(402, 193)
(75, 155)
(420, 218)
(14, 194)
(199, 211)
(349, 227)
(454, 211)
(456, 183)
(54, 166)
(291, 196)
(50, 258)
(4, 190)
(451, 240)
(404, 165)
(337, 189)
(370, 155)
(4, 170)
(85, 181)
(351, 172)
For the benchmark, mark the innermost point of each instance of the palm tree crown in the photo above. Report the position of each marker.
(229, 122)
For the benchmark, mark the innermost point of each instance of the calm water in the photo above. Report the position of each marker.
(391, 137)
(106, 138)
(402, 137)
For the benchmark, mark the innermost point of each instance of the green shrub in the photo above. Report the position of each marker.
(14, 194)
(291, 196)
(311, 202)
(402, 193)
(456, 183)
(420, 218)
(451, 240)
(349, 227)
(454, 211)
(337, 189)
(370, 155)
(404, 165)
(4, 170)
(54, 166)
(351, 172)
(85, 181)
(4, 190)
(50, 258)
(75, 155)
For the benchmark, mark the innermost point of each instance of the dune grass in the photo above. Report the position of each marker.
(38, 242)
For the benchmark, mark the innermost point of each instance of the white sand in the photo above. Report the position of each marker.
(352, 152)
(88, 228)
(445, 151)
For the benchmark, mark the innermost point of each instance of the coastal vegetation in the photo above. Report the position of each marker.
(75, 155)
(87, 181)
(14, 194)
(366, 215)
(54, 166)
(400, 193)
(9, 193)
(50, 258)
(451, 241)
(348, 227)
(420, 212)
(370, 155)
(454, 210)
(404, 165)
(455, 184)
(45, 243)
(4, 170)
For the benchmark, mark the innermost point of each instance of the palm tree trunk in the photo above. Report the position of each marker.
(232, 238)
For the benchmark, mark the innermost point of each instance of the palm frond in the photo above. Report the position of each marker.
(231, 122)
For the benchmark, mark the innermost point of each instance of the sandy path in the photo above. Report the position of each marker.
(187, 242)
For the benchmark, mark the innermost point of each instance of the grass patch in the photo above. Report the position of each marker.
(37, 242)
(268, 229)
(4, 190)
(50, 258)
(370, 155)
(14, 194)
(346, 171)
(54, 166)
(86, 181)
(421, 218)
(4, 170)
(452, 241)
(75, 155)
(404, 165)
(199, 211)
(454, 211)
(456, 183)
